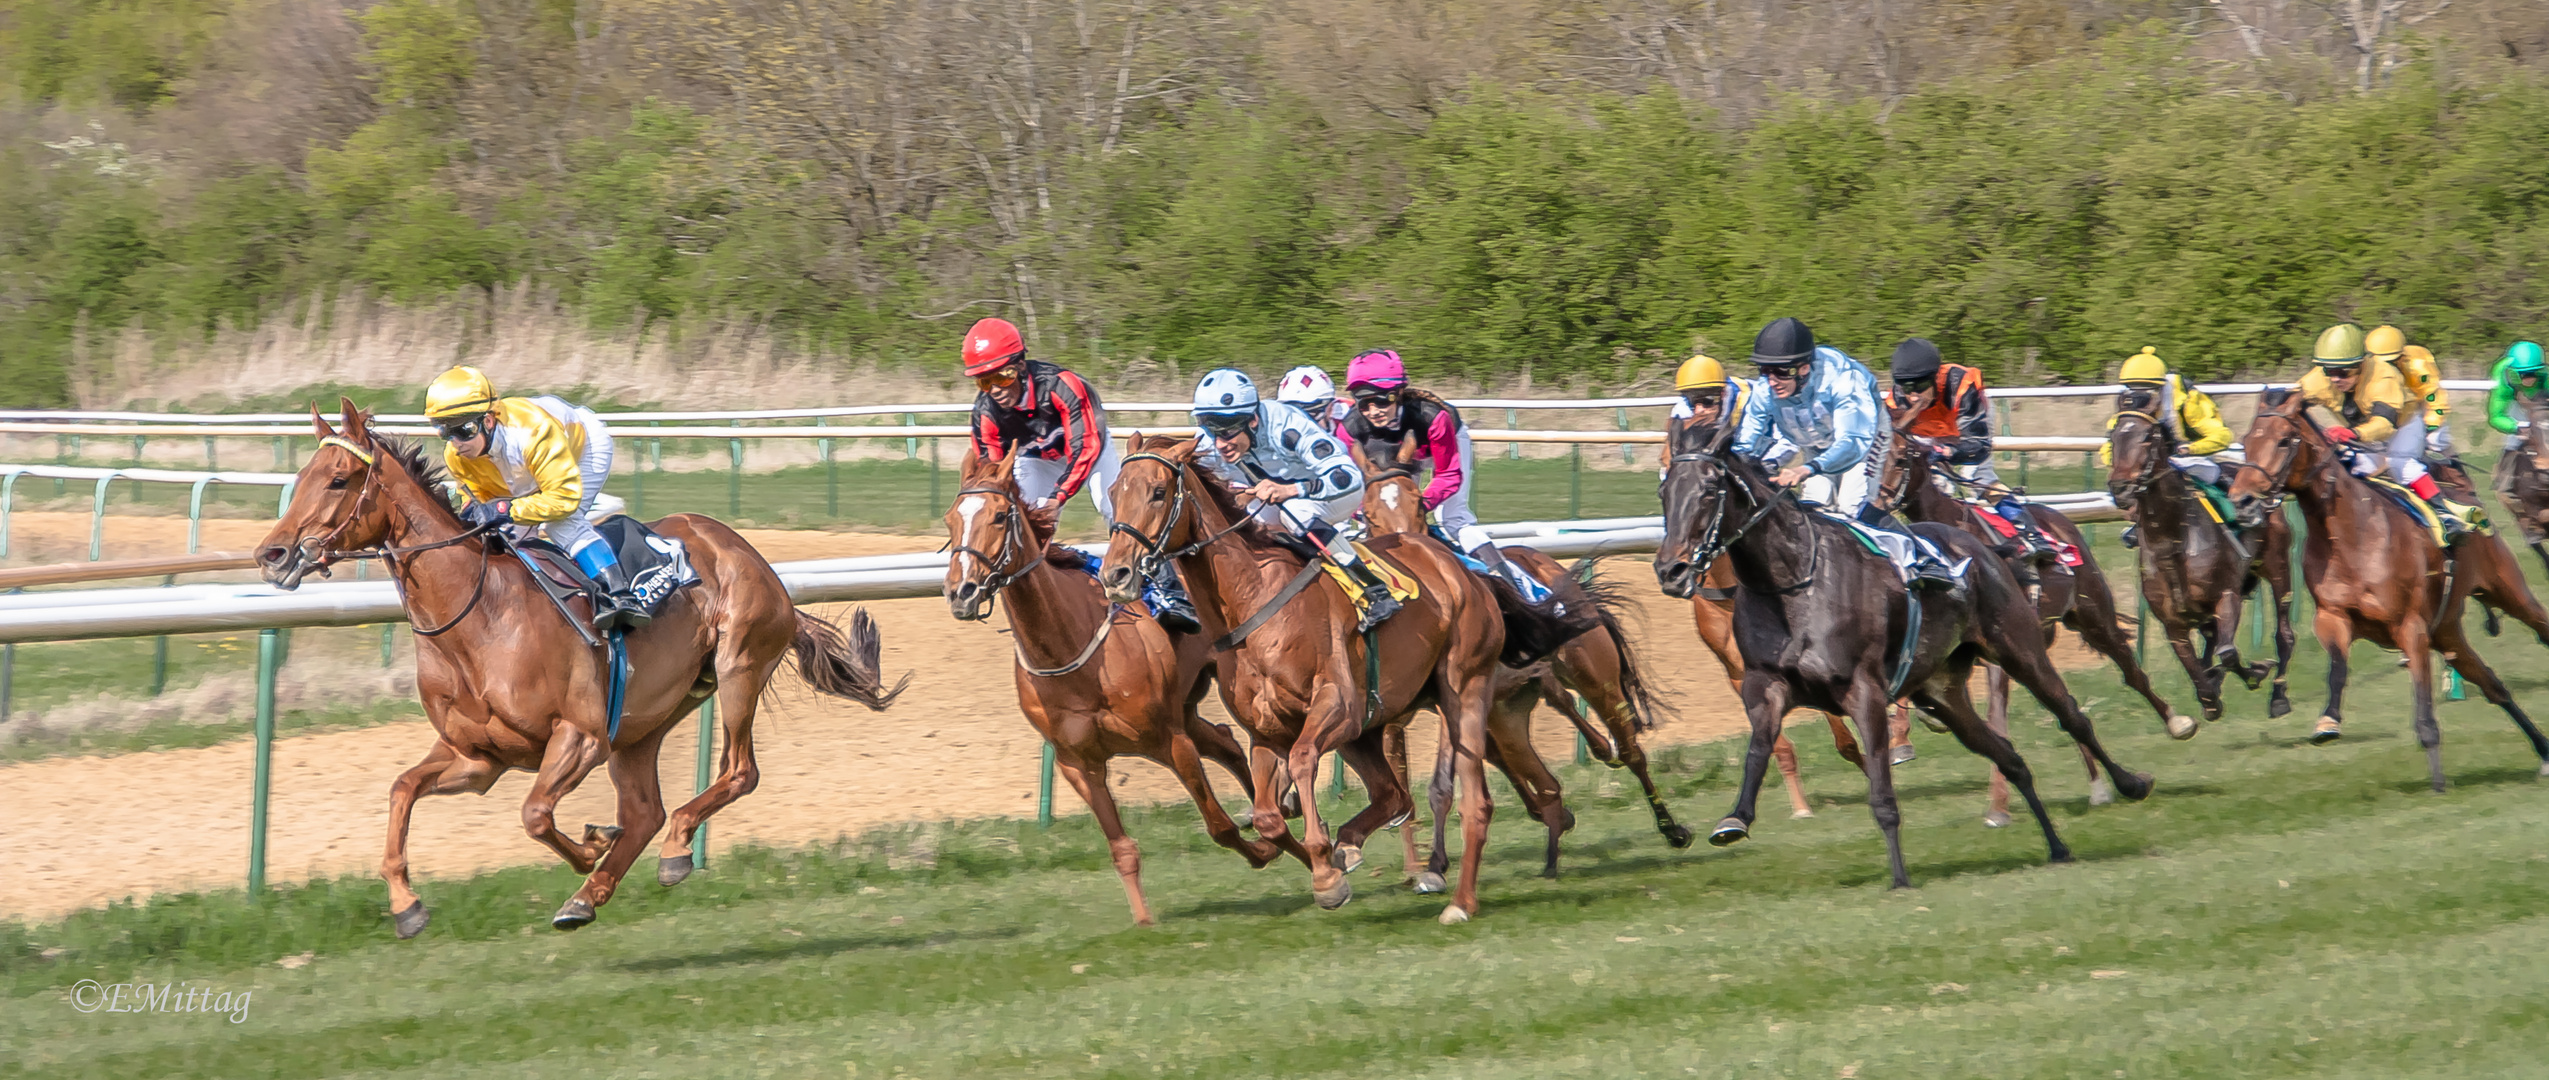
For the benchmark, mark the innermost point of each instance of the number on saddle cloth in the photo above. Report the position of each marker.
(657, 566)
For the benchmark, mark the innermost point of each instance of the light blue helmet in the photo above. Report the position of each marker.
(1225, 392)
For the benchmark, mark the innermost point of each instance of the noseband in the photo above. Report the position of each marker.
(995, 579)
(1710, 545)
(1155, 552)
(2152, 457)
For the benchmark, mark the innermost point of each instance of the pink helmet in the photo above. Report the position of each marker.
(1380, 370)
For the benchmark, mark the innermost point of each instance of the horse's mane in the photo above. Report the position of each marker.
(1214, 490)
(425, 467)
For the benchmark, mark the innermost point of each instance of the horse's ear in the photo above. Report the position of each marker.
(319, 423)
(1362, 460)
(1006, 469)
(1719, 437)
(356, 420)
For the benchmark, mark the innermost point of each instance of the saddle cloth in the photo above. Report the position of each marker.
(2416, 509)
(658, 566)
(1402, 586)
(2064, 550)
(1898, 548)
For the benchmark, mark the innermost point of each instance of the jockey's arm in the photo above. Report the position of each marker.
(2387, 402)
(2500, 400)
(1442, 442)
(1854, 420)
(1083, 435)
(548, 454)
(2198, 417)
(1973, 425)
(1328, 468)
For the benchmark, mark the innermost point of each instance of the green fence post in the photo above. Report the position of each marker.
(267, 661)
(159, 657)
(8, 669)
(137, 463)
(1513, 450)
(8, 497)
(934, 502)
(97, 518)
(1044, 790)
(2141, 626)
(282, 463)
(831, 475)
(1628, 451)
(911, 444)
(195, 516)
(212, 460)
(707, 747)
(283, 503)
(734, 479)
(1336, 776)
(1575, 481)
(389, 642)
(1583, 749)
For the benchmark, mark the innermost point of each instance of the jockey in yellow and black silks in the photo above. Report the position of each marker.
(536, 465)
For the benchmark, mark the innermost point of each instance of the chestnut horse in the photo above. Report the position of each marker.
(2374, 572)
(1096, 680)
(1600, 669)
(509, 684)
(1296, 681)
(1908, 485)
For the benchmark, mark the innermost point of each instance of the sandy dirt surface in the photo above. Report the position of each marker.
(91, 830)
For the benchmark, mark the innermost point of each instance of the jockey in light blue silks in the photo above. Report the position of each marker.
(1824, 405)
(1300, 473)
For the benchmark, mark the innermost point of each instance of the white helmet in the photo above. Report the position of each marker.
(1225, 392)
(1305, 385)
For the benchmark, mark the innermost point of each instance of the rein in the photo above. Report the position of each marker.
(1155, 555)
(321, 547)
(1711, 544)
(995, 580)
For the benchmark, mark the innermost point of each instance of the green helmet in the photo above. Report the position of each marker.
(2339, 345)
(2523, 357)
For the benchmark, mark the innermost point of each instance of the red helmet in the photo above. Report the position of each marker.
(991, 345)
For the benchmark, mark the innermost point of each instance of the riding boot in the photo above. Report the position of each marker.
(2129, 540)
(618, 608)
(1531, 589)
(1170, 606)
(1378, 604)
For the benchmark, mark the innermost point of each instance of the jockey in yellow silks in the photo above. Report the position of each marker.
(536, 464)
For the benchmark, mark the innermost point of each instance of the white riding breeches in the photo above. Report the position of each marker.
(1038, 476)
(2404, 456)
(1295, 516)
(1846, 494)
(2438, 441)
(1454, 514)
(574, 532)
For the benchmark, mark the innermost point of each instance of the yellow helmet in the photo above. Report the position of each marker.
(2385, 341)
(2145, 366)
(1699, 372)
(2339, 346)
(461, 391)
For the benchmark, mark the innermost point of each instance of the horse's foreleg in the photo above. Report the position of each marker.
(2419, 647)
(1465, 729)
(2336, 635)
(443, 772)
(1394, 756)
(1996, 691)
(641, 812)
(1089, 779)
(2199, 667)
(1509, 728)
(1765, 704)
(1265, 768)
(1783, 753)
(2025, 660)
(2093, 617)
(2278, 575)
(571, 756)
(1215, 743)
(1326, 727)
(1181, 758)
(1843, 742)
(2454, 645)
(1869, 707)
(1947, 699)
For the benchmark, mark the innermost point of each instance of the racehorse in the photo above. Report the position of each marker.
(2196, 572)
(1095, 680)
(2079, 598)
(1601, 669)
(1825, 623)
(1300, 679)
(509, 684)
(2524, 485)
(2374, 572)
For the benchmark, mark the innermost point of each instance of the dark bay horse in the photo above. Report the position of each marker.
(2374, 572)
(2523, 479)
(2197, 572)
(1297, 680)
(1824, 623)
(1095, 680)
(1599, 670)
(508, 684)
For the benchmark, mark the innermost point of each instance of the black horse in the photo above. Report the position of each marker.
(1823, 623)
(2196, 571)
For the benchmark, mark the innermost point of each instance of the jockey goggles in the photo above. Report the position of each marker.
(1704, 395)
(993, 380)
(1375, 397)
(461, 428)
(1220, 425)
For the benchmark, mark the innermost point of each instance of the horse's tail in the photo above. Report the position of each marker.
(1609, 599)
(1532, 632)
(844, 665)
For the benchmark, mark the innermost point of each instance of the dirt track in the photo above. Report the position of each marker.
(86, 831)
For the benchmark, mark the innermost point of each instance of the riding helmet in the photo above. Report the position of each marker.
(2339, 346)
(1699, 373)
(1225, 392)
(461, 391)
(1916, 360)
(1786, 341)
(1380, 369)
(2385, 341)
(2144, 367)
(1305, 385)
(991, 345)
(2524, 356)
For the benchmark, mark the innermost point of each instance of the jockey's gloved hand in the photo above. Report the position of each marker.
(2340, 434)
(487, 515)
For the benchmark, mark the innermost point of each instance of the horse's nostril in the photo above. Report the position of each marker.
(272, 554)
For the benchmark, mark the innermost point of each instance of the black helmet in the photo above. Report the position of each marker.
(1784, 343)
(1915, 361)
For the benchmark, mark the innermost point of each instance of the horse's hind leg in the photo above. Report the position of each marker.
(1873, 712)
(1947, 699)
(2093, 617)
(1509, 728)
(1389, 803)
(2277, 559)
(443, 772)
(1782, 753)
(2413, 639)
(1394, 755)
(1215, 743)
(738, 772)
(2454, 645)
(2025, 660)
(1996, 689)
(641, 812)
(1606, 699)
(2500, 583)
(1439, 790)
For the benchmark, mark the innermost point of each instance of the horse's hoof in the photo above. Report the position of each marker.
(2135, 786)
(2544, 771)
(1680, 835)
(2278, 708)
(1349, 858)
(411, 921)
(576, 915)
(1800, 813)
(672, 870)
(1997, 819)
(1903, 754)
(1729, 831)
(1429, 882)
(1934, 724)
(1454, 916)
(2100, 793)
(2326, 732)
(1332, 899)
(2182, 727)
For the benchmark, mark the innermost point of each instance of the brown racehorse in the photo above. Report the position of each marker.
(1096, 680)
(1297, 680)
(2076, 597)
(1601, 669)
(508, 684)
(2374, 572)
(2196, 572)
(2522, 478)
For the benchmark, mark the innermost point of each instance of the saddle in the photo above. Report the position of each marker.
(2064, 551)
(1402, 586)
(2415, 507)
(658, 566)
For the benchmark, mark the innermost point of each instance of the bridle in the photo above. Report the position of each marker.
(319, 552)
(1011, 538)
(1155, 552)
(1891, 494)
(1711, 544)
(2152, 457)
(2281, 487)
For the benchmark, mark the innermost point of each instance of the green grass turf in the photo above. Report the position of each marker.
(2275, 910)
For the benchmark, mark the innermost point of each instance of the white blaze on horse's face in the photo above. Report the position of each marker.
(1389, 496)
(965, 512)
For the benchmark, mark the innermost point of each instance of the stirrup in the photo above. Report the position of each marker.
(1379, 606)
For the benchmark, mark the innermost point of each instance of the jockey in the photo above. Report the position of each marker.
(1386, 415)
(2195, 417)
(2370, 402)
(2518, 377)
(537, 465)
(1948, 407)
(1708, 398)
(1309, 389)
(1823, 403)
(1052, 422)
(1299, 473)
(2424, 377)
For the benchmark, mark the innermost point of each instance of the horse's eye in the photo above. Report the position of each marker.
(1001, 518)
(1158, 493)
(336, 483)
